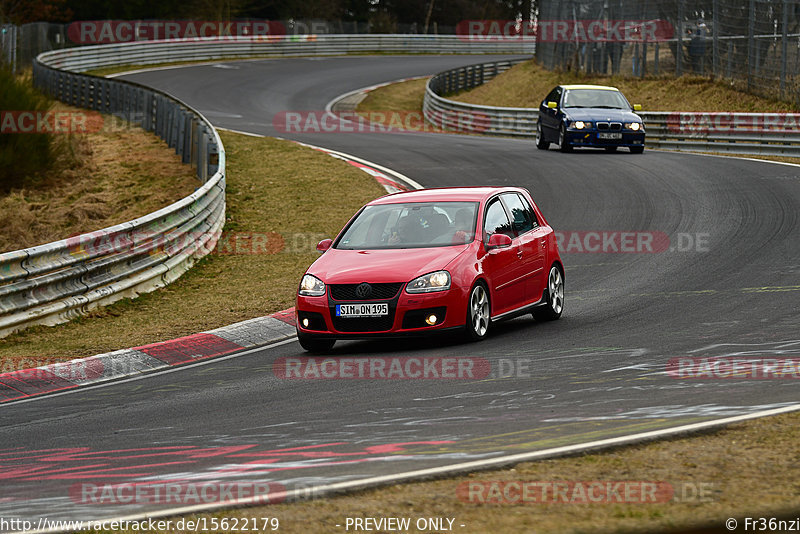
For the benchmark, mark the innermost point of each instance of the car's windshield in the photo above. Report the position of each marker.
(595, 98)
(411, 225)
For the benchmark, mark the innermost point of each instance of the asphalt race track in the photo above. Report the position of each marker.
(727, 283)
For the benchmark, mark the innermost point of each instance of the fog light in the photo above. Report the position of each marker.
(306, 322)
(431, 319)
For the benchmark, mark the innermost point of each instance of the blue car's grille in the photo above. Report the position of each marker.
(611, 126)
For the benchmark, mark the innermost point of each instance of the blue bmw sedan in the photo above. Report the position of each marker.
(589, 116)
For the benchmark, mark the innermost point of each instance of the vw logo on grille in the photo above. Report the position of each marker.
(363, 290)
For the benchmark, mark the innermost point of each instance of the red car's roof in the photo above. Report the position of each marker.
(453, 194)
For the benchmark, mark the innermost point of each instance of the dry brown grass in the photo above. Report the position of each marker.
(96, 183)
(526, 84)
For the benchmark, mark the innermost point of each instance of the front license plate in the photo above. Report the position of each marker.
(362, 310)
(604, 135)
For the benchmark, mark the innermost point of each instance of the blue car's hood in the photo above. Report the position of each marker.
(601, 114)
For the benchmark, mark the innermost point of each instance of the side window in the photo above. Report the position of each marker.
(529, 209)
(496, 221)
(521, 215)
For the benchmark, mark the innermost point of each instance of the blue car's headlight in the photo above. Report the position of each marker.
(435, 281)
(635, 126)
(311, 286)
(581, 125)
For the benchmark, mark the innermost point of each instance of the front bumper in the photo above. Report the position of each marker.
(590, 138)
(316, 316)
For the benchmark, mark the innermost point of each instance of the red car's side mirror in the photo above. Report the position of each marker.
(324, 245)
(498, 241)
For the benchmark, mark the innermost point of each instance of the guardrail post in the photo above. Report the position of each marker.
(87, 90)
(202, 153)
(180, 146)
(212, 158)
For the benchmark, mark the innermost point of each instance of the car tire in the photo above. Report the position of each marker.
(554, 297)
(637, 149)
(541, 142)
(562, 140)
(315, 344)
(478, 313)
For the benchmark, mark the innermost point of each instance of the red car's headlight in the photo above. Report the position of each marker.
(311, 286)
(428, 283)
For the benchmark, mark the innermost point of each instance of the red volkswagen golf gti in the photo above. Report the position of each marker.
(432, 260)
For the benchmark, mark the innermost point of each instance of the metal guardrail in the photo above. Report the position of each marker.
(154, 52)
(752, 134)
(474, 118)
(58, 281)
(765, 134)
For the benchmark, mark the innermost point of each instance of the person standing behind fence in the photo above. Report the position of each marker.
(697, 47)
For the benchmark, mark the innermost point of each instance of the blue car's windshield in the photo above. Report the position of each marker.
(595, 98)
(411, 225)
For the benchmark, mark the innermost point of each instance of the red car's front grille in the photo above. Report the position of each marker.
(376, 291)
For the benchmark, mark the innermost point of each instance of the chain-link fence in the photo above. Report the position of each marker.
(19, 45)
(753, 43)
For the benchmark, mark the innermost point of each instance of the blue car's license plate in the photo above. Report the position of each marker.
(607, 135)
